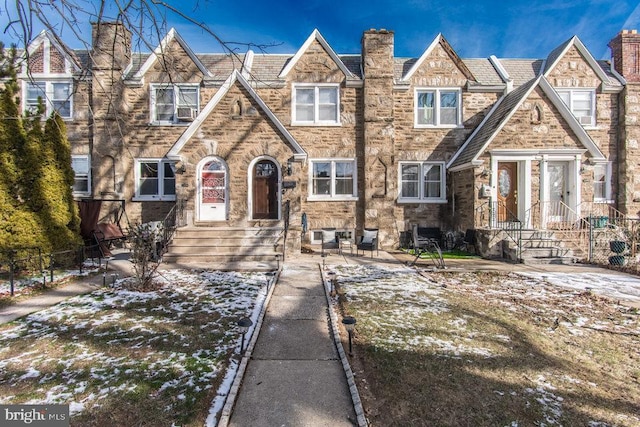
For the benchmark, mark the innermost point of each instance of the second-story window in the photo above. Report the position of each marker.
(316, 104)
(171, 104)
(437, 107)
(56, 96)
(581, 103)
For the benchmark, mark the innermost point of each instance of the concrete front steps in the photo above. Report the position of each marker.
(196, 245)
(543, 247)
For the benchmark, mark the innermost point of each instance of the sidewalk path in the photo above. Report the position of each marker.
(119, 264)
(295, 376)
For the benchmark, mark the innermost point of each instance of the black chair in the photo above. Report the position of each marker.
(469, 240)
(368, 242)
(426, 240)
(330, 239)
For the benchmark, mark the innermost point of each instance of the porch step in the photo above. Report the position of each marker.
(200, 245)
(542, 247)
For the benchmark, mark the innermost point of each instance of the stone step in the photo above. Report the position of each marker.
(202, 245)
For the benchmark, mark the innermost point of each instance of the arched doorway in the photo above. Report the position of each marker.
(265, 197)
(212, 190)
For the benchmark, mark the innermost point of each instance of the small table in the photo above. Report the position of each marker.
(346, 244)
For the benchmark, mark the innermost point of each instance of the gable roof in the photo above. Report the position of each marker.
(162, 47)
(68, 54)
(440, 40)
(316, 36)
(556, 55)
(236, 76)
(502, 111)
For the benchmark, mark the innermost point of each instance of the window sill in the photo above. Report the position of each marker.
(418, 126)
(420, 201)
(178, 124)
(603, 201)
(314, 124)
(153, 199)
(332, 199)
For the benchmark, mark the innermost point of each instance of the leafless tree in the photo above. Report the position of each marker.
(146, 19)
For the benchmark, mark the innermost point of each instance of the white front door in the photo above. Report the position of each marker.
(212, 191)
(558, 209)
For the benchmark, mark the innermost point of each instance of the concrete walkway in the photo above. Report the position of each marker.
(295, 376)
(119, 264)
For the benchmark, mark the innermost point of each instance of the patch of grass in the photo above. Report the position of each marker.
(129, 358)
(491, 349)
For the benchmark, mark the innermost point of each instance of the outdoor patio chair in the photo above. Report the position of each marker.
(469, 240)
(427, 241)
(368, 241)
(330, 239)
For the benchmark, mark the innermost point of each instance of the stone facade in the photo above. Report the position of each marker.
(245, 118)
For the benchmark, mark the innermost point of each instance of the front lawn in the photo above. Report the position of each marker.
(120, 358)
(489, 349)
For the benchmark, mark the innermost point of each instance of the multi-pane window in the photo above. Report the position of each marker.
(422, 182)
(56, 96)
(581, 103)
(155, 179)
(333, 178)
(81, 166)
(602, 182)
(174, 104)
(315, 104)
(437, 107)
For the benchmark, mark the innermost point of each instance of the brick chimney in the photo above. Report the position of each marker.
(625, 52)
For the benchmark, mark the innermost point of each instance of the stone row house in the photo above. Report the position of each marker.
(317, 139)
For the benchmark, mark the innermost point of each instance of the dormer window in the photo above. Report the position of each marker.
(582, 103)
(438, 107)
(316, 104)
(174, 104)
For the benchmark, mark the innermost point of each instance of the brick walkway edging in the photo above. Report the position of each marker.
(333, 321)
(230, 401)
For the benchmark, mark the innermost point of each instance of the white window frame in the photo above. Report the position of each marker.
(332, 194)
(176, 90)
(49, 97)
(421, 197)
(437, 91)
(316, 116)
(608, 190)
(82, 175)
(571, 93)
(160, 196)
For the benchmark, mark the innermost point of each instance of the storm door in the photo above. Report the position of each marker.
(265, 190)
(213, 191)
(558, 209)
(507, 191)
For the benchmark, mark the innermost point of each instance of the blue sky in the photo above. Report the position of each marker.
(475, 29)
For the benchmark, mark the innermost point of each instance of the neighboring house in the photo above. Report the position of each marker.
(350, 141)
